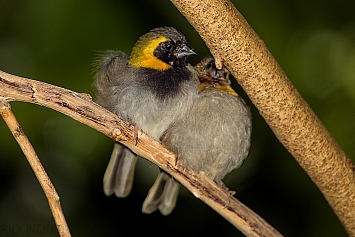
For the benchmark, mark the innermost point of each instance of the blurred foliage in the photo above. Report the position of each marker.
(56, 41)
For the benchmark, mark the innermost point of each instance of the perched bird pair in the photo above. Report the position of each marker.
(206, 125)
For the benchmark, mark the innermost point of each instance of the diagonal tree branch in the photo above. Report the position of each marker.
(232, 41)
(81, 108)
(48, 188)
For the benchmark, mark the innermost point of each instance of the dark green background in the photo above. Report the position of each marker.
(56, 41)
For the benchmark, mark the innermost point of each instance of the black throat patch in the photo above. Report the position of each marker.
(164, 84)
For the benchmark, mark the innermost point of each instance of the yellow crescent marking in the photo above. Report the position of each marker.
(145, 57)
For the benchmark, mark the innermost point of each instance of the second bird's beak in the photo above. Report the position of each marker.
(185, 51)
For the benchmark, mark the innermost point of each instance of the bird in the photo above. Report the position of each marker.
(151, 88)
(214, 138)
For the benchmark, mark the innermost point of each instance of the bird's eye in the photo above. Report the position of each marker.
(210, 64)
(168, 46)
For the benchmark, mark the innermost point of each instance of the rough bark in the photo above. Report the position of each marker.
(232, 41)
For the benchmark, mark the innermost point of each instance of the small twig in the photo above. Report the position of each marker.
(47, 186)
(81, 108)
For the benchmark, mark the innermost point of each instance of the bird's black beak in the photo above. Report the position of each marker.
(185, 51)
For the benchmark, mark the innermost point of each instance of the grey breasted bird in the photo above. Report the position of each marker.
(152, 88)
(214, 138)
